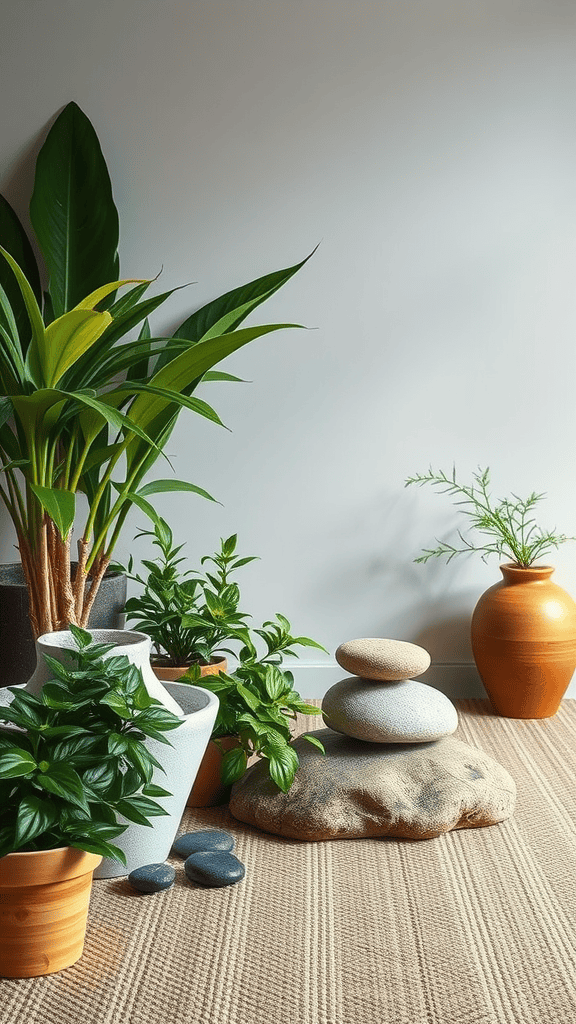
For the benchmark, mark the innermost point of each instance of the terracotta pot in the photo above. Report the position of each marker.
(44, 898)
(524, 642)
(208, 790)
(172, 674)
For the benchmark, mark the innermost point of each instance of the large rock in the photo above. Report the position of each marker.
(401, 712)
(366, 789)
(379, 658)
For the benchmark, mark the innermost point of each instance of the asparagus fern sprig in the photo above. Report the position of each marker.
(508, 523)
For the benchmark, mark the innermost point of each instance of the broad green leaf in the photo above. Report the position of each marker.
(16, 762)
(233, 765)
(73, 212)
(314, 741)
(248, 697)
(283, 762)
(63, 781)
(68, 337)
(275, 682)
(15, 241)
(100, 848)
(35, 816)
(60, 506)
(160, 486)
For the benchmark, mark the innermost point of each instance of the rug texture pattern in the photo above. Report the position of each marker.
(473, 927)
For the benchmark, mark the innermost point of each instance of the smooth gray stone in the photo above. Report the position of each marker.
(152, 877)
(214, 869)
(357, 789)
(404, 711)
(196, 842)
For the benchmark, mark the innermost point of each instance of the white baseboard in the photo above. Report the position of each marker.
(314, 678)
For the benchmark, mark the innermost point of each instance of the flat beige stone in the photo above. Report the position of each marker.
(382, 659)
(367, 789)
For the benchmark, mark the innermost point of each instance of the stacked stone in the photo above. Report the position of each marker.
(391, 766)
(381, 703)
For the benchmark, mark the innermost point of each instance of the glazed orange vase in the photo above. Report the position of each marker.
(524, 642)
(44, 899)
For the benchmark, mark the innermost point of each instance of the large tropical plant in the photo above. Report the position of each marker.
(83, 408)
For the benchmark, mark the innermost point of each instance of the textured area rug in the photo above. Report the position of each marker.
(475, 927)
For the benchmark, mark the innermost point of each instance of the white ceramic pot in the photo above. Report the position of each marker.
(141, 844)
(180, 760)
(136, 646)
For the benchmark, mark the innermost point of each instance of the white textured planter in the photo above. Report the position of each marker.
(144, 845)
(197, 707)
(136, 646)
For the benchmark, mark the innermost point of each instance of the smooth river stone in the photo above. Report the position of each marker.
(400, 712)
(376, 658)
(152, 877)
(362, 789)
(214, 868)
(210, 839)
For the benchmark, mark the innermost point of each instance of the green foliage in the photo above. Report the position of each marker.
(258, 703)
(76, 759)
(84, 409)
(508, 522)
(188, 615)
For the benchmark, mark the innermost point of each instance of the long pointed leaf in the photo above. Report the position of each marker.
(233, 307)
(160, 486)
(73, 212)
(15, 240)
(36, 350)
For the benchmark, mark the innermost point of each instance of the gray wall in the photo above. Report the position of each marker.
(429, 147)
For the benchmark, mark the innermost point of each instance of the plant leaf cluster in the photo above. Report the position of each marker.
(83, 406)
(188, 614)
(508, 523)
(258, 703)
(73, 759)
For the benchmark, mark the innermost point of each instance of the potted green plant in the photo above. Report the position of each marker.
(73, 769)
(189, 615)
(524, 627)
(84, 409)
(258, 704)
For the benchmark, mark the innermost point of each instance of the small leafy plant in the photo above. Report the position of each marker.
(76, 759)
(258, 703)
(188, 615)
(508, 523)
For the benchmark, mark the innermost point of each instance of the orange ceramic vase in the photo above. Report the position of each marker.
(524, 642)
(44, 898)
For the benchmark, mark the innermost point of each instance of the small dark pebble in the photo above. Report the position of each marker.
(214, 869)
(196, 842)
(152, 877)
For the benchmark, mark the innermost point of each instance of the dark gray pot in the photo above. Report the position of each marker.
(18, 657)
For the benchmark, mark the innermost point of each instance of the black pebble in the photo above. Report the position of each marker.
(214, 869)
(196, 842)
(152, 877)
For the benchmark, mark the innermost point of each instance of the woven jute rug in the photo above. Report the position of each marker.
(475, 927)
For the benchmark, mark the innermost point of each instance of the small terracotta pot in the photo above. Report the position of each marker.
(172, 674)
(44, 899)
(208, 790)
(524, 642)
